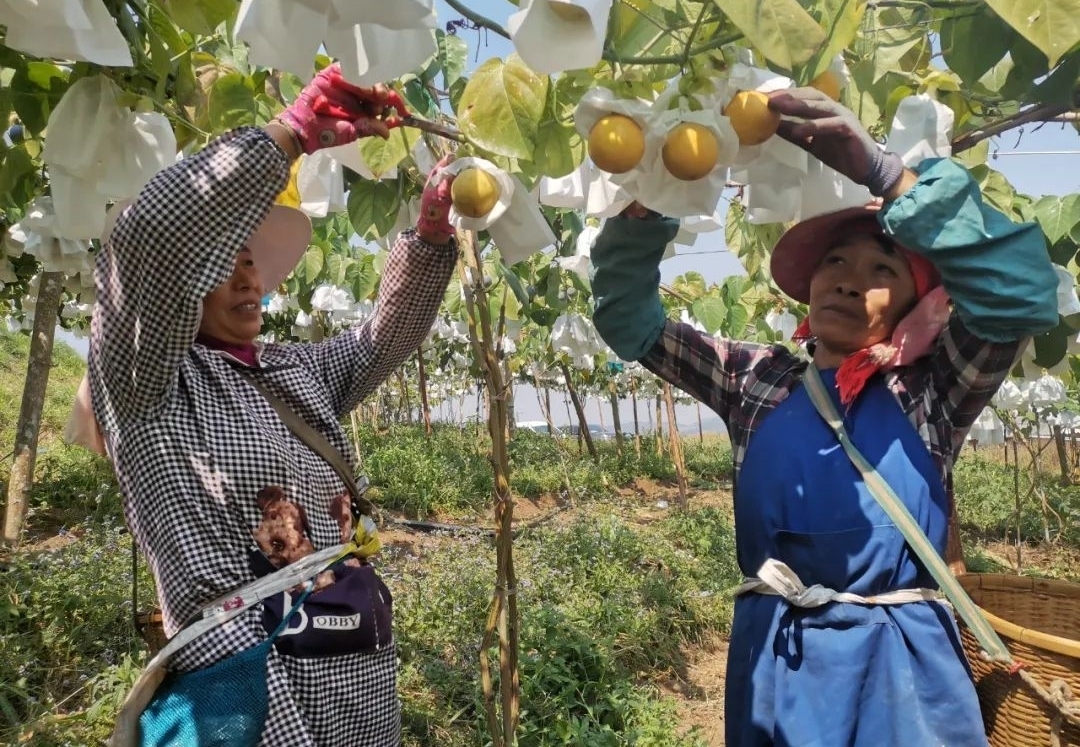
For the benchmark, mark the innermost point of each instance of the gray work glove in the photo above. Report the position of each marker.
(833, 134)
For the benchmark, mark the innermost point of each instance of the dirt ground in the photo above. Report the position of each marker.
(698, 688)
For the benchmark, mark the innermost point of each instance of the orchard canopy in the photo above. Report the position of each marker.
(98, 94)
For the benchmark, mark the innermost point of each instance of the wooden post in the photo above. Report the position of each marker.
(676, 447)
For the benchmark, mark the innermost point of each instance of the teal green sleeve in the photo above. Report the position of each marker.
(997, 272)
(626, 283)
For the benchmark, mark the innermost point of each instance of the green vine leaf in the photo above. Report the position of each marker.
(785, 33)
(972, 61)
(1058, 216)
(1051, 25)
(231, 103)
(201, 16)
(383, 155)
(373, 207)
(501, 108)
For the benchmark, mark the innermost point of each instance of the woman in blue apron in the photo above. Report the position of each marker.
(919, 304)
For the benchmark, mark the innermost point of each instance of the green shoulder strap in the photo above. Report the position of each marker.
(993, 647)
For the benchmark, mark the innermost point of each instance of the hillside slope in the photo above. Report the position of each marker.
(67, 370)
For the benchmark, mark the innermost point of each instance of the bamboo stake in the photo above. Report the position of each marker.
(675, 441)
(545, 408)
(425, 405)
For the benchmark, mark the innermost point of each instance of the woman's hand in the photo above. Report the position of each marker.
(833, 134)
(433, 225)
(331, 111)
(636, 210)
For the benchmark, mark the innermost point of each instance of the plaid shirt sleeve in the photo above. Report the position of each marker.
(967, 371)
(354, 363)
(174, 244)
(712, 370)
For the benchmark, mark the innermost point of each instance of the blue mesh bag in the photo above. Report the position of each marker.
(223, 705)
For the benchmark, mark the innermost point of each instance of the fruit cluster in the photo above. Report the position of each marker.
(690, 151)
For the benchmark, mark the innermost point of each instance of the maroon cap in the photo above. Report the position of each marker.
(802, 247)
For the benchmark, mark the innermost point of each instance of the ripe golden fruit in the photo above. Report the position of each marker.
(754, 122)
(616, 143)
(690, 151)
(474, 192)
(568, 12)
(828, 83)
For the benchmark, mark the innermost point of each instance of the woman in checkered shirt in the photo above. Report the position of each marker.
(217, 489)
(909, 375)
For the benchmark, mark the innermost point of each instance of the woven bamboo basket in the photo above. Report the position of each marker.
(1039, 620)
(151, 627)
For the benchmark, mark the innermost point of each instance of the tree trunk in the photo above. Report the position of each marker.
(318, 329)
(425, 406)
(1063, 456)
(700, 430)
(543, 398)
(676, 447)
(502, 621)
(481, 396)
(354, 419)
(547, 411)
(637, 427)
(508, 393)
(659, 426)
(583, 426)
(616, 419)
(406, 405)
(21, 479)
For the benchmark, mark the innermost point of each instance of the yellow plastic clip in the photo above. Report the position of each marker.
(365, 542)
(290, 196)
(366, 538)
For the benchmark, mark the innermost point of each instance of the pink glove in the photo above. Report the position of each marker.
(331, 111)
(433, 225)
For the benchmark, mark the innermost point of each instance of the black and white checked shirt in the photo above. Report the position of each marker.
(193, 442)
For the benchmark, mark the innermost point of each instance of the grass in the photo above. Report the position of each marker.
(67, 370)
(613, 593)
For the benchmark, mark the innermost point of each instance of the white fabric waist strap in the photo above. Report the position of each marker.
(776, 578)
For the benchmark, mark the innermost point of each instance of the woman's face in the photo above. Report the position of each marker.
(858, 293)
(232, 312)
